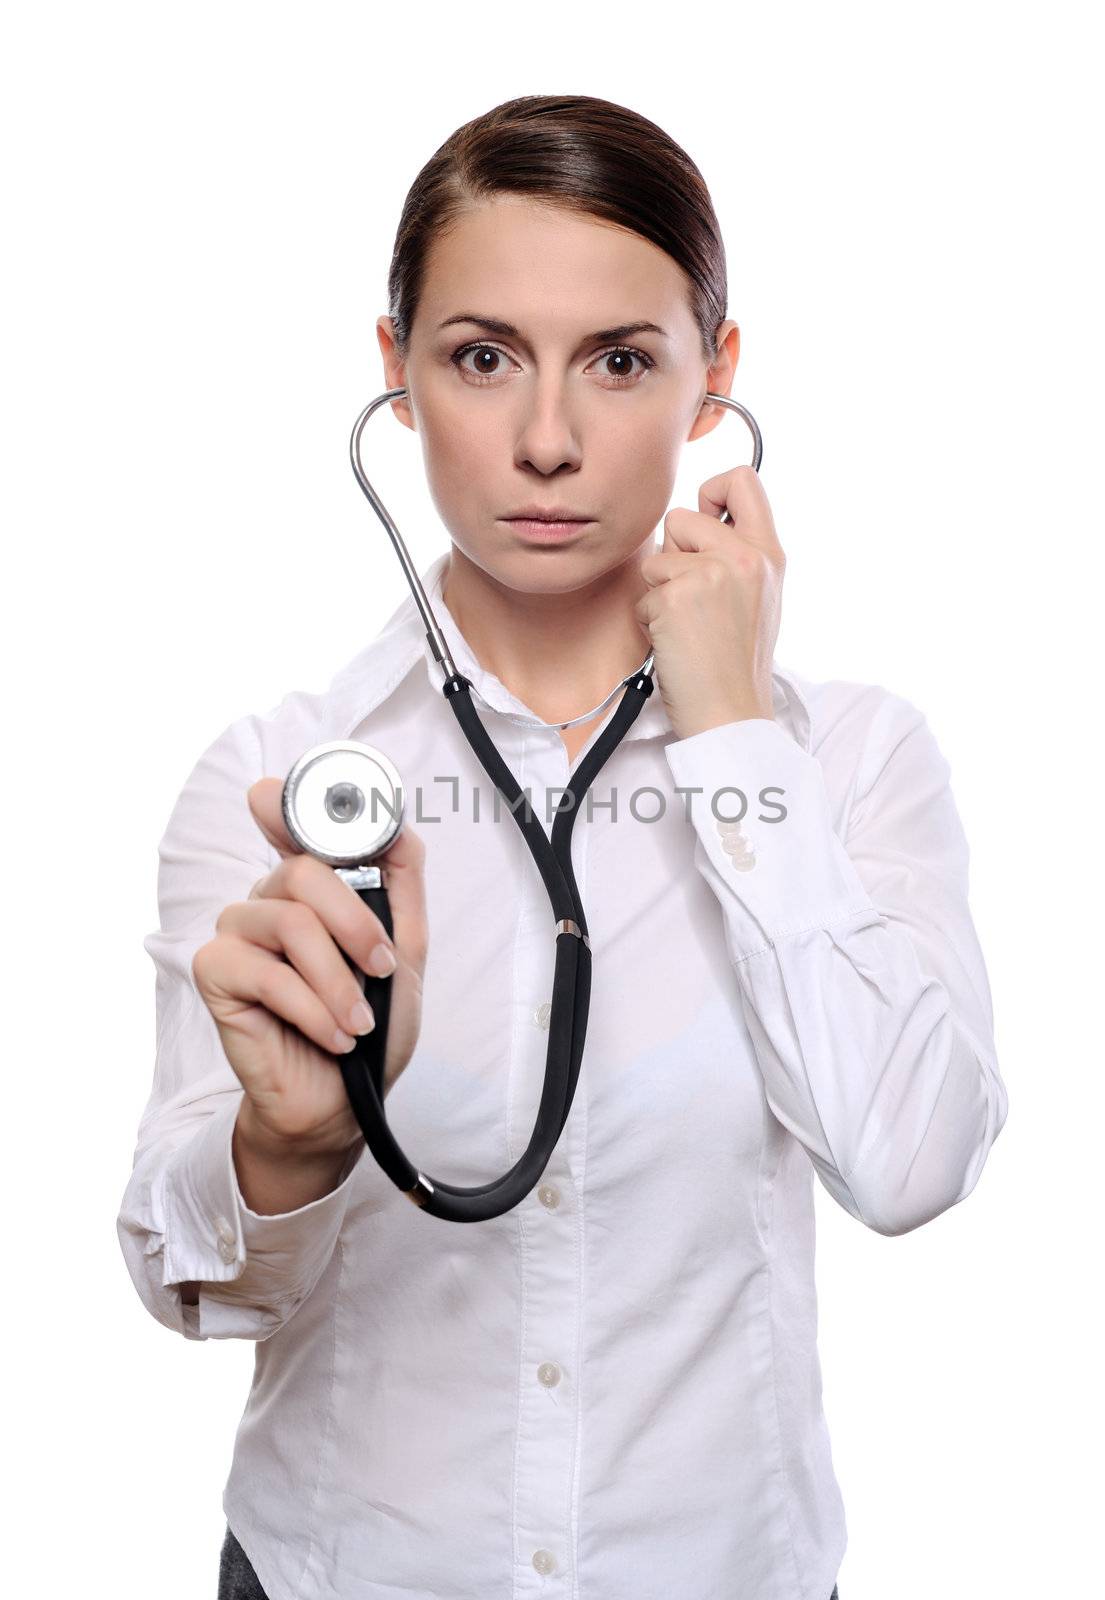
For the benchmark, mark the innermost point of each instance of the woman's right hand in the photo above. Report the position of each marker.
(282, 995)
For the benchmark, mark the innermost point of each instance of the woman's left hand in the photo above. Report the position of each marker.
(713, 605)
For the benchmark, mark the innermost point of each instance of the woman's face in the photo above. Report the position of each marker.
(538, 411)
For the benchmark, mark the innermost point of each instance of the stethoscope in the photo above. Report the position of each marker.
(343, 803)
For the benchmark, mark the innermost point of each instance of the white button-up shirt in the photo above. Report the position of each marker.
(612, 1390)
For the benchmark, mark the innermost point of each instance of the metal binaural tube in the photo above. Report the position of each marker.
(433, 632)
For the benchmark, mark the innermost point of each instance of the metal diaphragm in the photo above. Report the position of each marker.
(343, 802)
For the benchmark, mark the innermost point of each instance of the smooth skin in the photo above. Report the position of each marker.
(544, 415)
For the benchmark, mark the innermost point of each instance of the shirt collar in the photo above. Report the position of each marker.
(381, 666)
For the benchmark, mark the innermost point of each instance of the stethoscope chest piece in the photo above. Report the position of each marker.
(343, 802)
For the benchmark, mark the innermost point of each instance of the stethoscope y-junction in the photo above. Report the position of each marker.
(343, 803)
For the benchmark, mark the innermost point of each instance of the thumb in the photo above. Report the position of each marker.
(264, 799)
(402, 863)
(713, 496)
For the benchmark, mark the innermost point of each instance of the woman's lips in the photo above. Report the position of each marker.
(544, 532)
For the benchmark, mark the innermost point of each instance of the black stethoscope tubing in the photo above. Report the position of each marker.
(362, 1067)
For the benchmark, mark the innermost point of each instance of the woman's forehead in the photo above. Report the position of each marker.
(563, 275)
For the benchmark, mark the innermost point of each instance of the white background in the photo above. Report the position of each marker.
(200, 204)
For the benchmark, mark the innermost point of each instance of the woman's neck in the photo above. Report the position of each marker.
(560, 654)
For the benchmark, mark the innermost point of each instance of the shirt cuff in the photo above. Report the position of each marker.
(765, 837)
(212, 1236)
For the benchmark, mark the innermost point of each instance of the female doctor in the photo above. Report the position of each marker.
(616, 1383)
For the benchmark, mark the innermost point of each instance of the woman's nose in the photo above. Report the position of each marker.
(548, 436)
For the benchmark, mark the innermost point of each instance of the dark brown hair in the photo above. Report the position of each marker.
(580, 153)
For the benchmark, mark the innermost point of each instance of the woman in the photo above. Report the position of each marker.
(613, 1388)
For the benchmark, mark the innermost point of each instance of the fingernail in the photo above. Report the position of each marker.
(382, 961)
(342, 1042)
(361, 1017)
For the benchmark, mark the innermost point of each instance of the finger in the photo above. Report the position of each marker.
(263, 979)
(293, 930)
(661, 566)
(264, 799)
(340, 909)
(679, 532)
(713, 496)
(740, 492)
(686, 530)
(689, 532)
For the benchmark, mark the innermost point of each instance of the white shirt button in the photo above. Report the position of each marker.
(549, 1374)
(549, 1196)
(542, 1014)
(544, 1561)
(737, 846)
(228, 1244)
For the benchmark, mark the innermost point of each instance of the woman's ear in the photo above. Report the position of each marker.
(719, 378)
(394, 371)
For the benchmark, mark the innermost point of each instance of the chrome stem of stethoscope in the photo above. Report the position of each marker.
(433, 633)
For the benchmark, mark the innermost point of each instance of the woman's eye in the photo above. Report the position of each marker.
(618, 364)
(621, 366)
(490, 361)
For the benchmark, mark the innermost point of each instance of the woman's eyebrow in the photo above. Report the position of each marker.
(507, 330)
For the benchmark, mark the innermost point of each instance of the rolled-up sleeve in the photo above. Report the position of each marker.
(860, 972)
(183, 1218)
